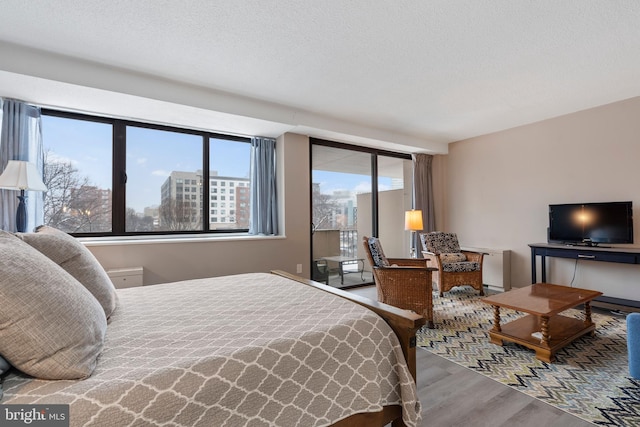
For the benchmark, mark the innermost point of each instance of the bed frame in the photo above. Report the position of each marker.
(403, 322)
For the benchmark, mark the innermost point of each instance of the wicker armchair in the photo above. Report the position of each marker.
(401, 282)
(455, 267)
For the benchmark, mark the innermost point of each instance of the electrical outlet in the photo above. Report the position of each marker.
(299, 268)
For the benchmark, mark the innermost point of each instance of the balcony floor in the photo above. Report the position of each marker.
(351, 279)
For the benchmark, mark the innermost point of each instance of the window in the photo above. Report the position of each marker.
(116, 177)
(356, 191)
(230, 160)
(77, 174)
(155, 160)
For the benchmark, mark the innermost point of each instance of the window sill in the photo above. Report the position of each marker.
(155, 240)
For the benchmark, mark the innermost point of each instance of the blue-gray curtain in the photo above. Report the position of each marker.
(264, 201)
(20, 139)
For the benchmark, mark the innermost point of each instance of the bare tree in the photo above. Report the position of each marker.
(71, 203)
(325, 209)
(179, 215)
(135, 222)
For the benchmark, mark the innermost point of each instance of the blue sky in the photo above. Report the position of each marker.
(151, 155)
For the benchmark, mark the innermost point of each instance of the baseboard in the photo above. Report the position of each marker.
(616, 304)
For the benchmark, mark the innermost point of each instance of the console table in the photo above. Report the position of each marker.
(589, 253)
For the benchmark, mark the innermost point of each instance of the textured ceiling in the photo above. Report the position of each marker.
(393, 71)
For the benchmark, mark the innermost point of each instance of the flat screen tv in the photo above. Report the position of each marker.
(591, 223)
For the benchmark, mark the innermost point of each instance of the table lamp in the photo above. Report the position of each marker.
(20, 175)
(413, 222)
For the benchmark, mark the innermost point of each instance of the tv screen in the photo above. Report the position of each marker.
(591, 223)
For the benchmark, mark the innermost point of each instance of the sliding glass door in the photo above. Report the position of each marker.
(394, 198)
(354, 191)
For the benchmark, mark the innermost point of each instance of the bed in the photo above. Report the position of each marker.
(257, 349)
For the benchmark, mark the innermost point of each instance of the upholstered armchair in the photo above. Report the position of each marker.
(401, 282)
(455, 267)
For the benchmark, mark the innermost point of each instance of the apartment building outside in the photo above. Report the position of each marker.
(182, 199)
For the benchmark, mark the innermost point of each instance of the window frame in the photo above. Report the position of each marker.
(119, 173)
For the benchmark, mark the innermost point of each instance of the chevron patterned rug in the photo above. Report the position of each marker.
(589, 378)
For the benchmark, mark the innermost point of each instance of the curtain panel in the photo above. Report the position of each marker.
(423, 193)
(20, 139)
(264, 202)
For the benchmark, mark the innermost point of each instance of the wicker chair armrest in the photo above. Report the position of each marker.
(473, 256)
(433, 259)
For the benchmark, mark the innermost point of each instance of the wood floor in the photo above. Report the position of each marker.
(452, 395)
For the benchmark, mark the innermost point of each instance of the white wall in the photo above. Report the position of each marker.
(498, 188)
(169, 261)
(391, 207)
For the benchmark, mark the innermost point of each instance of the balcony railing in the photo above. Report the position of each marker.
(332, 242)
(349, 243)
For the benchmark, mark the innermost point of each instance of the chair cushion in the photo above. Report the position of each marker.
(460, 267)
(377, 253)
(77, 260)
(439, 242)
(52, 327)
(453, 257)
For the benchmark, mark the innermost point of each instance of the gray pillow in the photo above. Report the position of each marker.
(77, 260)
(52, 327)
(4, 365)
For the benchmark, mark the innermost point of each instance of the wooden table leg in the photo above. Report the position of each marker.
(544, 328)
(544, 352)
(496, 319)
(496, 327)
(587, 317)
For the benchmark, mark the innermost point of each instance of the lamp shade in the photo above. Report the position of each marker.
(413, 220)
(20, 175)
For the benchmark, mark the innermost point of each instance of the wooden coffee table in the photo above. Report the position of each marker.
(543, 330)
